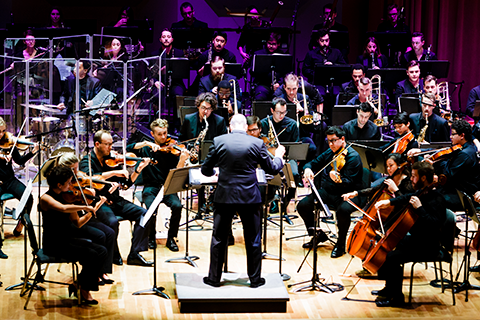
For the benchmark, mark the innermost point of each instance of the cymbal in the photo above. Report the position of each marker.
(113, 112)
(42, 108)
(62, 150)
(46, 119)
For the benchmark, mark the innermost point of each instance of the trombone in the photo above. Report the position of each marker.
(376, 81)
(306, 118)
(443, 98)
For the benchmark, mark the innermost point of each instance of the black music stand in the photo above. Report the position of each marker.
(409, 104)
(235, 69)
(373, 159)
(261, 109)
(296, 150)
(177, 181)
(272, 63)
(343, 113)
(177, 68)
(315, 282)
(390, 76)
(438, 68)
(331, 75)
(187, 38)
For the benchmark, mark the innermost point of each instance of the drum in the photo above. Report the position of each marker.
(49, 124)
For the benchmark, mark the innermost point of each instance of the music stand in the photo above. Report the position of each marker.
(186, 38)
(409, 104)
(296, 151)
(343, 113)
(343, 98)
(373, 159)
(390, 76)
(272, 63)
(234, 69)
(331, 75)
(177, 181)
(261, 109)
(438, 68)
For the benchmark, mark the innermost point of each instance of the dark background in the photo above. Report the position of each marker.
(451, 26)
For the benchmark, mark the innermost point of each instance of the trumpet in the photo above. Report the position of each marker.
(377, 90)
(306, 118)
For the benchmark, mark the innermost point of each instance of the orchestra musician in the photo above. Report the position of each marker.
(413, 84)
(194, 123)
(209, 83)
(430, 85)
(249, 42)
(254, 126)
(372, 58)
(423, 239)
(233, 153)
(351, 87)
(189, 20)
(362, 128)
(94, 163)
(10, 184)
(364, 94)
(403, 142)
(60, 224)
(392, 23)
(154, 176)
(417, 51)
(56, 18)
(217, 49)
(226, 98)
(341, 176)
(166, 42)
(438, 129)
(93, 229)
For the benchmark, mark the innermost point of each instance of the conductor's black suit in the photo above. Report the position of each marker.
(237, 155)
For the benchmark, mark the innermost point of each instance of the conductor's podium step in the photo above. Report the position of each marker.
(233, 296)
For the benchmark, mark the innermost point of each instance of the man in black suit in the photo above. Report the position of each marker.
(438, 129)
(237, 156)
(217, 73)
(189, 21)
(417, 51)
(411, 85)
(358, 72)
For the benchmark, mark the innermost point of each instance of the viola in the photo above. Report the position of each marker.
(8, 141)
(362, 237)
(399, 225)
(270, 145)
(338, 164)
(130, 160)
(444, 153)
(172, 146)
(402, 143)
(96, 182)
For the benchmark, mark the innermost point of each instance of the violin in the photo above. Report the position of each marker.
(269, 144)
(172, 146)
(444, 153)
(8, 141)
(402, 143)
(337, 166)
(74, 195)
(96, 182)
(129, 159)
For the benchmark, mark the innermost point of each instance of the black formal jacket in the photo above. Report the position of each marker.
(192, 127)
(405, 86)
(473, 96)
(351, 173)
(349, 87)
(462, 169)
(314, 56)
(370, 131)
(89, 88)
(410, 55)
(438, 129)
(227, 55)
(207, 84)
(237, 156)
(290, 134)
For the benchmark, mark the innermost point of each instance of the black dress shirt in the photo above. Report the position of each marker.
(370, 131)
(291, 132)
(405, 86)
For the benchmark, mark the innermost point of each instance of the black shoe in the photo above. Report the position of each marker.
(273, 207)
(206, 280)
(231, 240)
(338, 251)
(396, 301)
(257, 284)
(118, 261)
(472, 269)
(101, 282)
(172, 245)
(151, 244)
(108, 281)
(381, 293)
(88, 302)
(321, 237)
(17, 233)
(3, 255)
(136, 259)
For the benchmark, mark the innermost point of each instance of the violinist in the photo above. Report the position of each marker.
(422, 240)
(405, 140)
(343, 175)
(94, 229)
(397, 184)
(461, 167)
(10, 184)
(154, 176)
(94, 164)
(60, 227)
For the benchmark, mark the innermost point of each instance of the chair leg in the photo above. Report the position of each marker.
(451, 284)
(441, 277)
(411, 284)
(2, 213)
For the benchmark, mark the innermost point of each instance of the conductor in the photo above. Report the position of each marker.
(237, 156)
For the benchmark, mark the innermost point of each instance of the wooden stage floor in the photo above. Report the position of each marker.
(117, 301)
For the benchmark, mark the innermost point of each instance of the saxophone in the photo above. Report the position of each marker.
(421, 135)
(196, 147)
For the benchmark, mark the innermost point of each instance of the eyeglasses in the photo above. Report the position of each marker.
(206, 108)
(253, 130)
(331, 141)
(279, 113)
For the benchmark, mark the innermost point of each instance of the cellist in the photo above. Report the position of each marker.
(422, 240)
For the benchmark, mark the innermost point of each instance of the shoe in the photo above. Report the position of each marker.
(101, 282)
(88, 302)
(257, 284)
(3, 255)
(273, 207)
(206, 280)
(118, 261)
(365, 274)
(231, 240)
(321, 237)
(17, 233)
(136, 259)
(151, 244)
(172, 245)
(381, 293)
(338, 251)
(395, 301)
(475, 268)
(108, 281)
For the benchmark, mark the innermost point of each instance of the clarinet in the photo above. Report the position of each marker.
(372, 56)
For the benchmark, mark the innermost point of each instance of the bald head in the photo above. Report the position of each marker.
(238, 122)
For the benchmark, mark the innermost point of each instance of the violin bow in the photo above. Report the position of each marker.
(21, 129)
(334, 158)
(81, 191)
